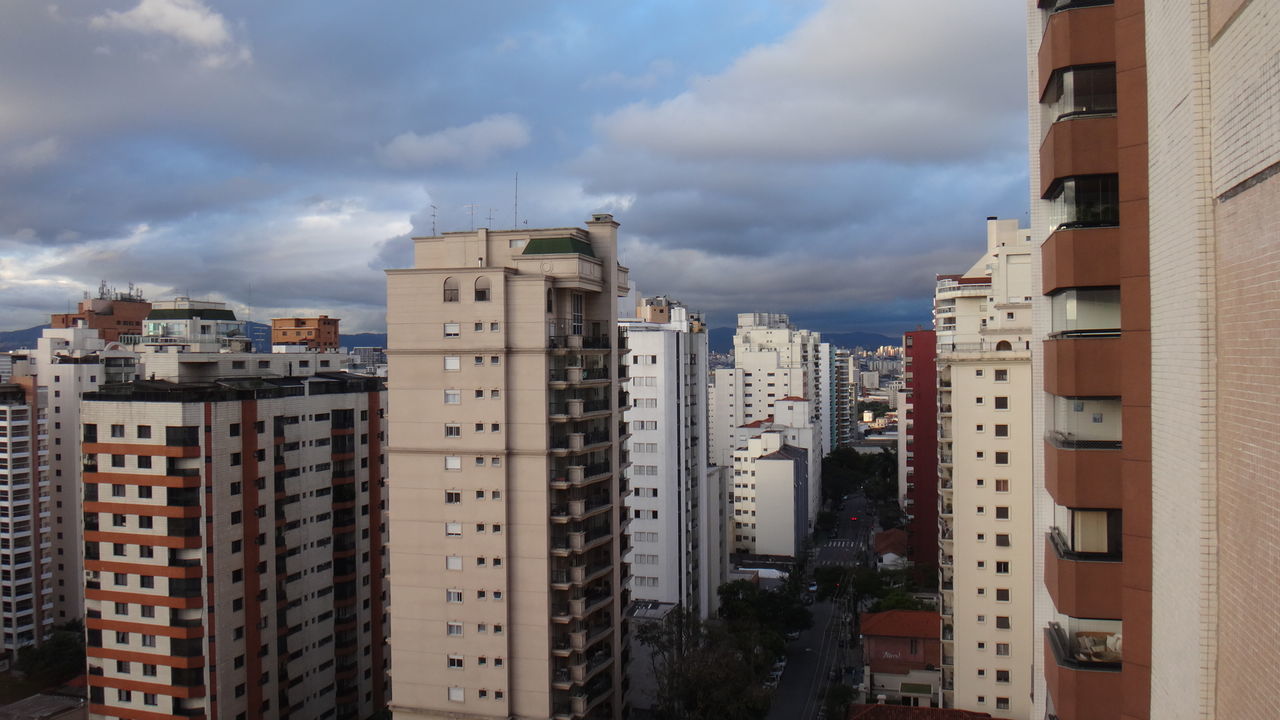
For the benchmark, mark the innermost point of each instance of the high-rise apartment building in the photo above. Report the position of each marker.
(676, 533)
(26, 555)
(186, 325)
(233, 541)
(317, 333)
(1155, 197)
(66, 364)
(506, 408)
(984, 481)
(844, 410)
(117, 316)
(918, 444)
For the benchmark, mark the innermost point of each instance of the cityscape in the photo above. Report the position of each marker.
(723, 418)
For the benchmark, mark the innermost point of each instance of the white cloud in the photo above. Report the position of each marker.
(36, 155)
(187, 21)
(901, 81)
(466, 144)
(649, 78)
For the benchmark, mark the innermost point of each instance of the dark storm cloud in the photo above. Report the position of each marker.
(282, 159)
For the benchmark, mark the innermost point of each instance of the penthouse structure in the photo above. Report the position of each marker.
(233, 542)
(507, 465)
(317, 333)
(117, 316)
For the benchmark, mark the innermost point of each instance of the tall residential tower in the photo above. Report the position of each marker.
(506, 463)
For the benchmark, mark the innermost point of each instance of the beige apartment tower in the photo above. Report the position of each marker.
(506, 462)
(985, 490)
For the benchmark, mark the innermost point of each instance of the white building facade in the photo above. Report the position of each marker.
(676, 522)
(985, 485)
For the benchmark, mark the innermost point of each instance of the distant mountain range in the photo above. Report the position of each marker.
(721, 340)
(260, 332)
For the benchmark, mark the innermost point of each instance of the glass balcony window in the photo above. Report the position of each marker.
(1085, 201)
(1086, 312)
(1079, 92)
(1087, 535)
(1087, 642)
(1084, 423)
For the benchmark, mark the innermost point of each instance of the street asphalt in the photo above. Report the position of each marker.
(827, 644)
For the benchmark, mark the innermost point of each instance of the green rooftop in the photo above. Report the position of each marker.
(558, 246)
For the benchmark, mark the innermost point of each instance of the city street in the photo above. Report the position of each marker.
(811, 657)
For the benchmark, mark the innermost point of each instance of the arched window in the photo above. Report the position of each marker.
(451, 289)
(482, 289)
(1003, 345)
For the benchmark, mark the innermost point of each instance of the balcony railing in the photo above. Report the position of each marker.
(1062, 546)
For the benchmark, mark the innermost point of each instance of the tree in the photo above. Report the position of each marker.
(876, 407)
(58, 659)
(838, 699)
(898, 600)
(705, 671)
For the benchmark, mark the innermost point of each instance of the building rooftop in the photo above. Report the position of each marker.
(894, 541)
(41, 707)
(926, 624)
(758, 423)
(239, 388)
(786, 452)
(793, 398)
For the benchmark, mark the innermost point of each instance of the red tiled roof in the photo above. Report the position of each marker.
(903, 712)
(758, 423)
(925, 624)
(893, 541)
(792, 398)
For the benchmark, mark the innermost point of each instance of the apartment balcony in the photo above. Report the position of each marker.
(1083, 366)
(1087, 257)
(1082, 584)
(1083, 477)
(1082, 675)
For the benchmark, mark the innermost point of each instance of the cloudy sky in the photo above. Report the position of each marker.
(820, 157)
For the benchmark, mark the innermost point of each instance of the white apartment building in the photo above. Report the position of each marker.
(25, 532)
(776, 466)
(507, 467)
(66, 363)
(676, 533)
(985, 485)
(772, 360)
(234, 540)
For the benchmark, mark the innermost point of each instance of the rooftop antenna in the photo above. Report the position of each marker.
(515, 203)
(472, 207)
(433, 221)
(491, 211)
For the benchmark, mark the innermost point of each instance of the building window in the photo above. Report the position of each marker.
(452, 362)
(451, 289)
(454, 629)
(1002, 594)
(1002, 512)
(1084, 201)
(453, 431)
(1002, 431)
(1002, 458)
(144, 462)
(482, 289)
(453, 529)
(1002, 622)
(452, 397)
(455, 662)
(453, 596)
(456, 694)
(452, 330)
(117, 461)
(1002, 375)
(1002, 649)
(1002, 540)
(1002, 567)
(1002, 703)
(1002, 485)
(144, 432)
(452, 497)
(117, 431)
